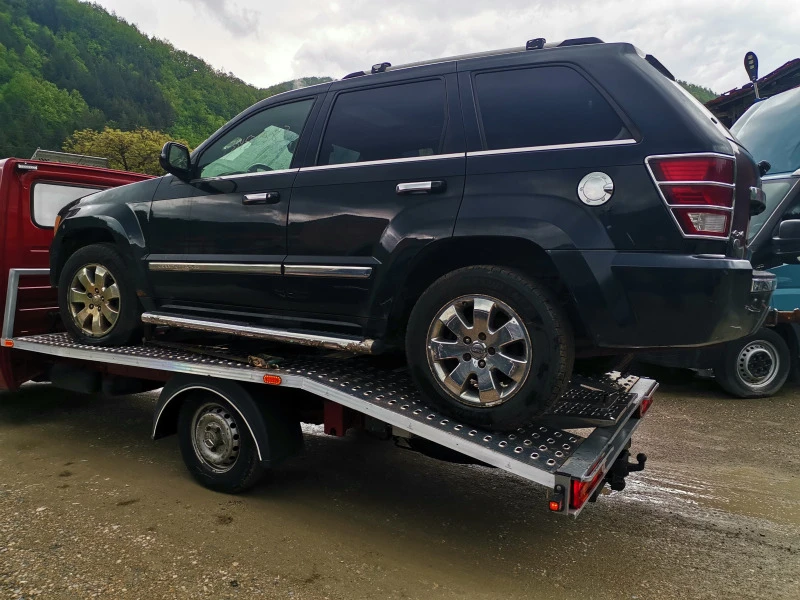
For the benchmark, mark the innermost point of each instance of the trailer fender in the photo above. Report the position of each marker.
(270, 421)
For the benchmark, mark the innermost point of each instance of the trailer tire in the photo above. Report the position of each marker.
(99, 308)
(755, 366)
(216, 447)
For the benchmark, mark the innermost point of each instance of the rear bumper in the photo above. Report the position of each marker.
(651, 300)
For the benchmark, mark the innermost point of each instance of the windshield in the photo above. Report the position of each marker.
(770, 130)
(774, 191)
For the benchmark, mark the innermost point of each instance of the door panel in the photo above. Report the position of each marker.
(245, 243)
(352, 231)
(166, 233)
(354, 217)
(236, 227)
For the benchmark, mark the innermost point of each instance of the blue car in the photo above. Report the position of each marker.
(758, 365)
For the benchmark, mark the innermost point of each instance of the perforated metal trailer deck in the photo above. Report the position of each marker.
(550, 451)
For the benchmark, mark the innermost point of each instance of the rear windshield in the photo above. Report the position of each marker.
(770, 130)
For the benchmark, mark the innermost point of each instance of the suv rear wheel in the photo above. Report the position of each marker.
(96, 298)
(490, 346)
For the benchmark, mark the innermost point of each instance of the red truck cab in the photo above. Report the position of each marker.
(31, 194)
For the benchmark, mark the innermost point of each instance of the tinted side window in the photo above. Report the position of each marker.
(49, 198)
(265, 141)
(543, 106)
(399, 121)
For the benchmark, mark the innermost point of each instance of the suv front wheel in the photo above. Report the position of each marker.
(96, 298)
(490, 346)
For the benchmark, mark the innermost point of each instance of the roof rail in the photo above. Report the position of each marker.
(580, 42)
(534, 44)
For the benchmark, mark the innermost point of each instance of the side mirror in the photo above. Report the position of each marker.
(175, 159)
(786, 244)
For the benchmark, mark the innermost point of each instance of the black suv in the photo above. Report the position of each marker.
(492, 214)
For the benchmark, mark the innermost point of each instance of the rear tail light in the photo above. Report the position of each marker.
(698, 190)
(644, 406)
(581, 491)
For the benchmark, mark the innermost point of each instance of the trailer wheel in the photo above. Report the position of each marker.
(755, 366)
(216, 447)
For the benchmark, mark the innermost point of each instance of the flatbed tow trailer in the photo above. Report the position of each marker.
(574, 450)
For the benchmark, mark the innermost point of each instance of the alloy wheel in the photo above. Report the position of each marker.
(94, 300)
(479, 350)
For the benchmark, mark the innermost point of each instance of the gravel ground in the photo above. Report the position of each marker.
(91, 508)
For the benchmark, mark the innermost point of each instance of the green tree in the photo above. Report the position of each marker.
(124, 79)
(37, 113)
(135, 151)
(703, 94)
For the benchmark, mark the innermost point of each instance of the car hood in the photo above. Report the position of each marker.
(141, 191)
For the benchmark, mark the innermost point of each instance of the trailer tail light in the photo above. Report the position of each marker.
(273, 379)
(582, 490)
(698, 190)
(644, 406)
(8, 343)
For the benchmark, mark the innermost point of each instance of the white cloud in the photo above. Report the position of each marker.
(265, 42)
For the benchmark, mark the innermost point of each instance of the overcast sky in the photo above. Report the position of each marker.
(266, 41)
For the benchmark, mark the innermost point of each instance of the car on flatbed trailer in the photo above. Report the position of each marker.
(493, 215)
(237, 410)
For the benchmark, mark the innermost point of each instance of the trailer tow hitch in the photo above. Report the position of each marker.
(621, 468)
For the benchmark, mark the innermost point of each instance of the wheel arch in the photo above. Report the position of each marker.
(119, 228)
(275, 437)
(446, 255)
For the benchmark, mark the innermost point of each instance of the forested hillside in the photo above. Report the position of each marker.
(67, 65)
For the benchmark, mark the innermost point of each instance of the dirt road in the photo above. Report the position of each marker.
(90, 507)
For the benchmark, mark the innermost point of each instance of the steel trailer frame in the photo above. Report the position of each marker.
(548, 452)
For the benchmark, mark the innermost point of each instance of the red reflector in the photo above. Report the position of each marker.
(693, 168)
(645, 406)
(699, 221)
(555, 505)
(582, 490)
(698, 195)
(272, 379)
(8, 343)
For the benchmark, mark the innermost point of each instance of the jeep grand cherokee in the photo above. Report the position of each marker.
(492, 214)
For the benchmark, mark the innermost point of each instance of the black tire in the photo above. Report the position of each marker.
(245, 470)
(756, 366)
(128, 326)
(550, 337)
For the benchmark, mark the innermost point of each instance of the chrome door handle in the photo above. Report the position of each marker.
(263, 198)
(421, 187)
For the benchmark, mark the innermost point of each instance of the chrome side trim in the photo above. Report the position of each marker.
(265, 333)
(327, 271)
(390, 161)
(716, 183)
(11, 298)
(201, 387)
(196, 267)
(578, 145)
(240, 175)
